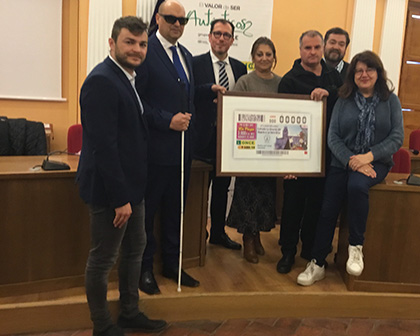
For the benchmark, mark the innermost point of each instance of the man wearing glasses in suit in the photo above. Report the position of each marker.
(215, 72)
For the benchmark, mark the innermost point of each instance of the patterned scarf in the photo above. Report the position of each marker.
(366, 125)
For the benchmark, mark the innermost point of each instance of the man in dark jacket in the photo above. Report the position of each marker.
(303, 196)
(112, 178)
(336, 42)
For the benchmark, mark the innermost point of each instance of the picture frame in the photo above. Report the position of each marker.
(270, 134)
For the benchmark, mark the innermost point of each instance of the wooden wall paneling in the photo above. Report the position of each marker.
(411, 123)
(410, 73)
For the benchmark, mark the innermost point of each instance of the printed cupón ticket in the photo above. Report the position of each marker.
(269, 135)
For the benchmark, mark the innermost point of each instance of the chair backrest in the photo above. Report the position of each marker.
(74, 139)
(414, 142)
(402, 161)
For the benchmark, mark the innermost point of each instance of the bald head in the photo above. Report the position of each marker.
(169, 4)
(167, 11)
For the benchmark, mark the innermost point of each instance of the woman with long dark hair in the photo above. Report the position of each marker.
(366, 130)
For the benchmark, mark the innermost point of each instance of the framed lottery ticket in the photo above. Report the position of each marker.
(270, 135)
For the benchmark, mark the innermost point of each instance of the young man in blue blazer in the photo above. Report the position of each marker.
(112, 178)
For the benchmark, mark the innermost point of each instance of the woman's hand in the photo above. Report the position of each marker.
(360, 160)
(367, 170)
(290, 177)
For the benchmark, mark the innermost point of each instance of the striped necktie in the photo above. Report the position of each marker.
(223, 78)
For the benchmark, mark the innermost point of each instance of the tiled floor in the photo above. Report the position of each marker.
(280, 327)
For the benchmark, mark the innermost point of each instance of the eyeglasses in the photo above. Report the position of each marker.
(369, 72)
(218, 34)
(172, 19)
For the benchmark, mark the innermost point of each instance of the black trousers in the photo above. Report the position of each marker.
(163, 192)
(218, 203)
(302, 203)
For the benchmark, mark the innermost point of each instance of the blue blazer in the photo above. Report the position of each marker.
(164, 95)
(112, 168)
(206, 109)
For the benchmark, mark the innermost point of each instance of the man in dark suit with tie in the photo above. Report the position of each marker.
(112, 178)
(166, 86)
(214, 71)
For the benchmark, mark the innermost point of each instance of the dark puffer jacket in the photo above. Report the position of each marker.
(22, 137)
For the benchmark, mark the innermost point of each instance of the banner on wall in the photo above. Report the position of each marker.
(251, 19)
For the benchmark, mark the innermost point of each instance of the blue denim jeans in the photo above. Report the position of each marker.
(350, 186)
(106, 242)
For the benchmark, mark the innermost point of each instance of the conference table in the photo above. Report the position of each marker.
(44, 225)
(391, 245)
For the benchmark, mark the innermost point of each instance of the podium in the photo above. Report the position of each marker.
(391, 241)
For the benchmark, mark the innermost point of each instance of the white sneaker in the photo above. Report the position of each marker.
(312, 273)
(355, 263)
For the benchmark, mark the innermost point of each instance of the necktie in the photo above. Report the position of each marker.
(180, 69)
(223, 78)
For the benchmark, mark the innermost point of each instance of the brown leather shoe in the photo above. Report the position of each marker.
(250, 254)
(258, 246)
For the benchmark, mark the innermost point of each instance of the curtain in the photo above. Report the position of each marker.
(102, 14)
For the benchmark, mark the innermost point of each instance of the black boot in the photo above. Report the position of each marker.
(148, 283)
(286, 262)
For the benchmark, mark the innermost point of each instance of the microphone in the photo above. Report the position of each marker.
(414, 151)
(48, 164)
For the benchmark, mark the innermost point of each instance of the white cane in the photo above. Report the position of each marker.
(181, 230)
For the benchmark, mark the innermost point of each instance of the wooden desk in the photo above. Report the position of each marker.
(392, 245)
(44, 225)
(44, 231)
